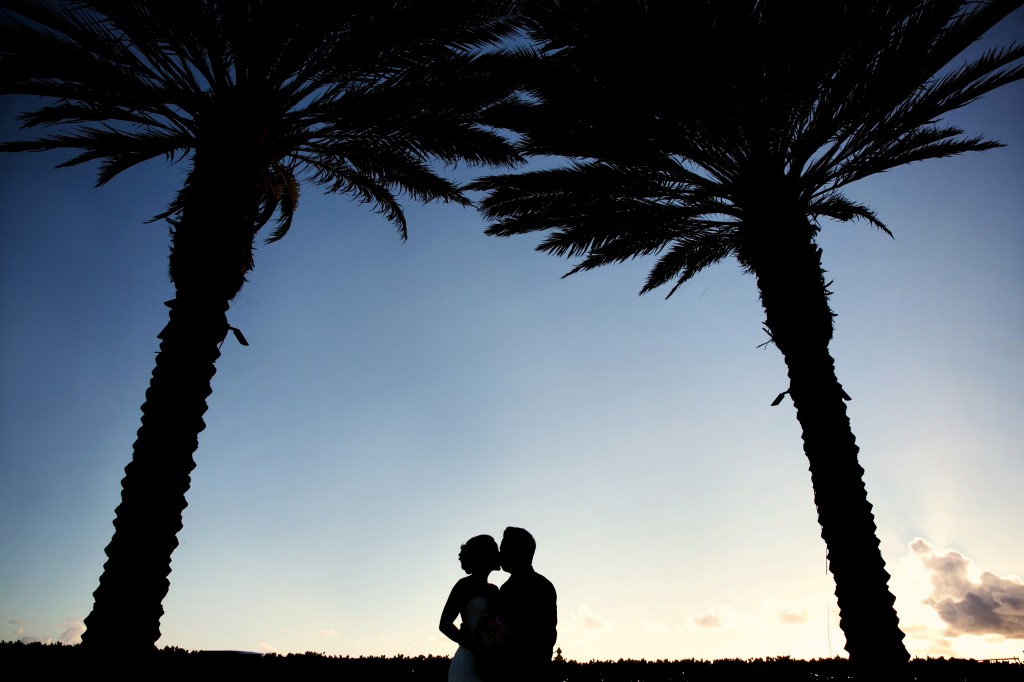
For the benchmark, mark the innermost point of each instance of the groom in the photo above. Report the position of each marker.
(527, 603)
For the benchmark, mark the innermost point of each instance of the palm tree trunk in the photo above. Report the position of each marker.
(787, 264)
(127, 610)
(211, 252)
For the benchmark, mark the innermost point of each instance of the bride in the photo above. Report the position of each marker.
(472, 599)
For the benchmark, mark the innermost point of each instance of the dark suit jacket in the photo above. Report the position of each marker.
(527, 601)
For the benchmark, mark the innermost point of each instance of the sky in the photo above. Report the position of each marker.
(398, 398)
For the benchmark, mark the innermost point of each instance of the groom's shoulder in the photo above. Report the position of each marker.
(543, 582)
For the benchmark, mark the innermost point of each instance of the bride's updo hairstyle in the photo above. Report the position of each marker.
(480, 553)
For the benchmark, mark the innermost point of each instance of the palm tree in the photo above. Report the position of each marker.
(361, 98)
(702, 130)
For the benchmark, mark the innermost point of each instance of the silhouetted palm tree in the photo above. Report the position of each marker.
(361, 98)
(703, 130)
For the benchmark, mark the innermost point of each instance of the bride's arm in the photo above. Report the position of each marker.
(450, 611)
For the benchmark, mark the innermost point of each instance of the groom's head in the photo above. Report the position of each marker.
(517, 548)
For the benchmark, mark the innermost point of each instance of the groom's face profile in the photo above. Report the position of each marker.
(516, 551)
(509, 558)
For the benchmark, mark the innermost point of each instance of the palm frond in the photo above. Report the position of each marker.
(364, 98)
(117, 150)
(686, 258)
(776, 115)
(836, 206)
(280, 195)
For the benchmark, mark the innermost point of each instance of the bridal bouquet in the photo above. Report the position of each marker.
(491, 639)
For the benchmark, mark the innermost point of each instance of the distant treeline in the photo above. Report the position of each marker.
(172, 662)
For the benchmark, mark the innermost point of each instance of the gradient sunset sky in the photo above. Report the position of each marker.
(397, 399)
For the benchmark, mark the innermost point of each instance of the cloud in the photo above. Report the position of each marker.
(787, 614)
(72, 633)
(19, 629)
(715, 617)
(990, 605)
(792, 617)
(585, 619)
(73, 629)
(265, 648)
(36, 640)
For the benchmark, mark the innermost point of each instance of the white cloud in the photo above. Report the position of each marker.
(726, 617)
(785, 613)
(36, 640)
(970, 601)
(265, 648)
(584, 619)
(72, 634)
(715, 617)
(19, 629)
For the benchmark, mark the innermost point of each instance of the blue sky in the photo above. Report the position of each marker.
(397, 399)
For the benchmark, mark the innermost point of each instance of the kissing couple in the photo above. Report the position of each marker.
(506, 634)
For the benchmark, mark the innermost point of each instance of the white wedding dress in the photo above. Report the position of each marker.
(463, 666)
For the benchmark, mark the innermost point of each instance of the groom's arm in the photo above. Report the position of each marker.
(550, 615)
(542, 612)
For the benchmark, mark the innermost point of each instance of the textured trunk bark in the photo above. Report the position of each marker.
(790, 278)
(127, 611)
(210, 254)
